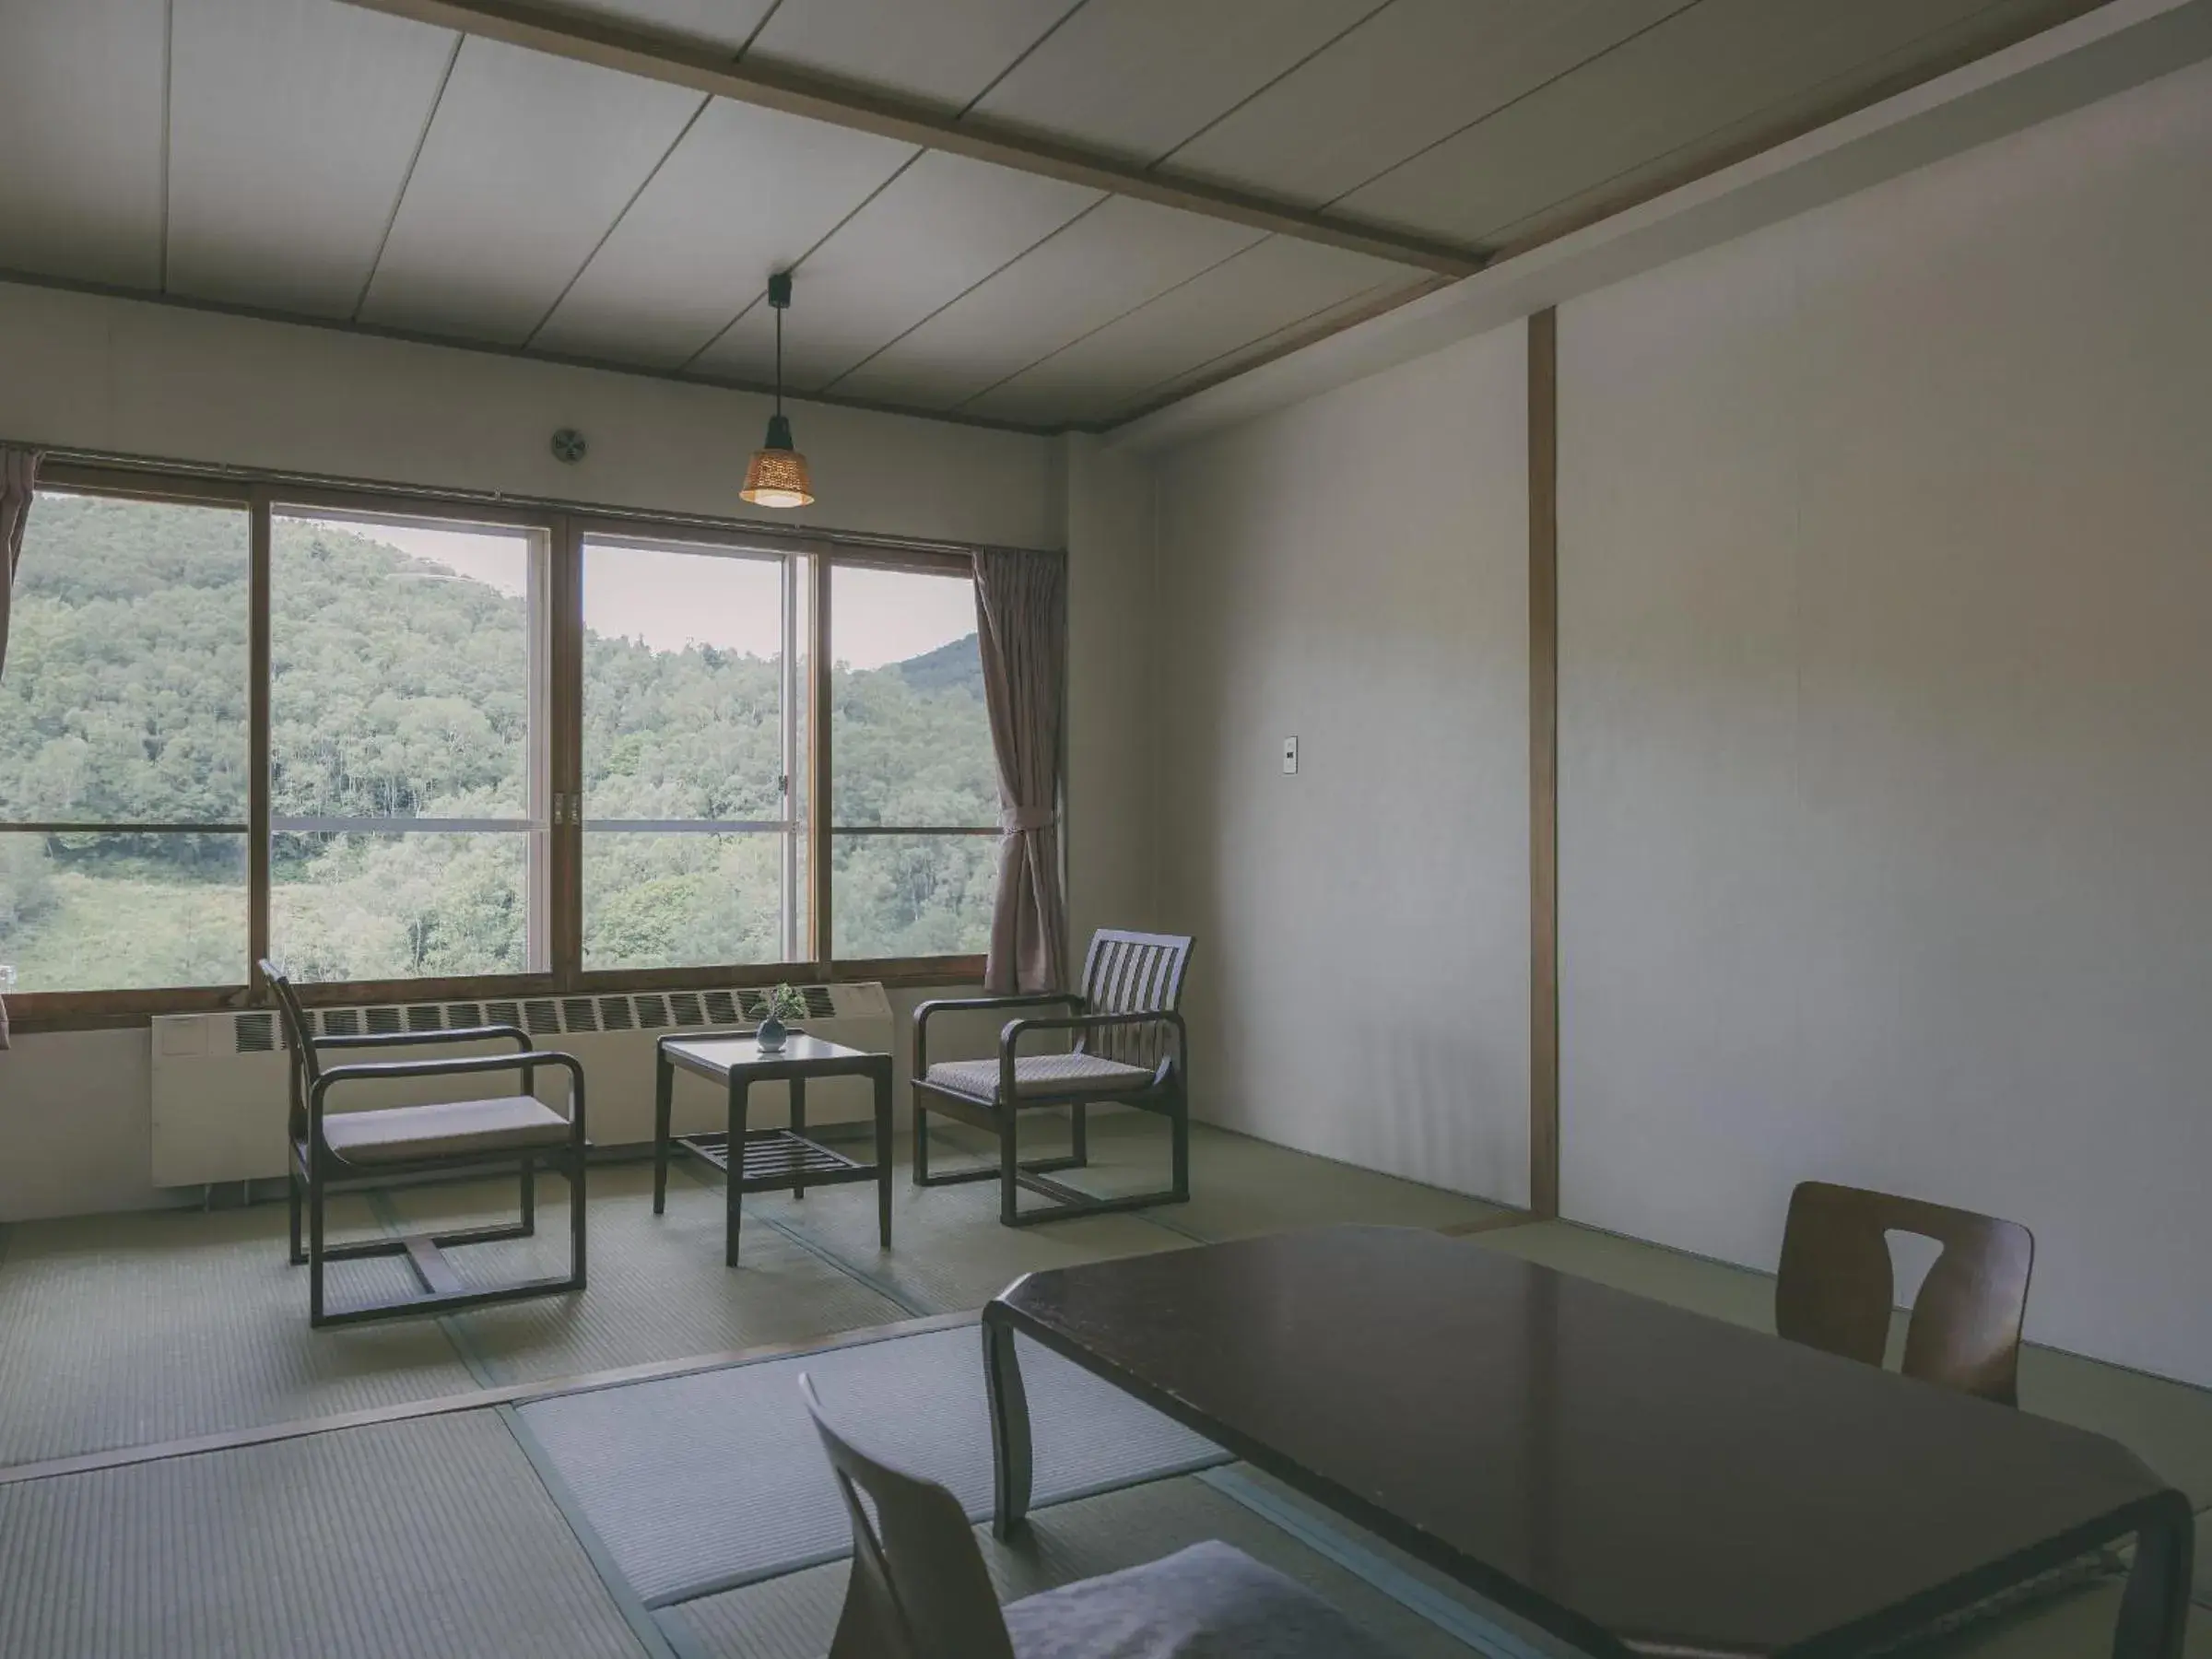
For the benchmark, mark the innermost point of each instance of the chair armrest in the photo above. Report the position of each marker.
(951, 1005)
(1016, 1029)
(466, 1064)
(409, 1038)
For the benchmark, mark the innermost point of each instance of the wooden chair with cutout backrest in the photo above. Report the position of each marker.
(919, 1588)
(1837, 1288)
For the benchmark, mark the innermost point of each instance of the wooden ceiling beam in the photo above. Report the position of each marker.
(615, 44)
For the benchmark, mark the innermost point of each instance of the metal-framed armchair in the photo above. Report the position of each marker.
(348, 1151)
(1130, 1048)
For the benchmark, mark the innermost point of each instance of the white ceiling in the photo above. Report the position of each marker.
(315, 158)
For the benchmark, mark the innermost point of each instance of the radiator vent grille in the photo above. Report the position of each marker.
(259, 1033)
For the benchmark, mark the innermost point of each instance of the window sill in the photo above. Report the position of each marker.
(33, 1012)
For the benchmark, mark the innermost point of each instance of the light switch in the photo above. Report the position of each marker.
(1290, 754)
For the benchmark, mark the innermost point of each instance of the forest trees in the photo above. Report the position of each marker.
(400, 688)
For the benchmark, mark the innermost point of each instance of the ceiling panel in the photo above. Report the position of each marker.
(746, 192)
(1416, 72)
(1713, 64)
(528, 162)
(944, 226)
(942, 52)
(1272, 285)
(1137, 78)
(1110, 261)
(291, 126)
(80, 139)
(1286, 338)
(728, 23)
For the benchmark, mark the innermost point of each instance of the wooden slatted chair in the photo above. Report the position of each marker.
(919, 1589)
(350, 1150)
(1130, 1048)
(1836, 1289)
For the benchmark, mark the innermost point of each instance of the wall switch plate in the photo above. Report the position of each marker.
(1290, 754)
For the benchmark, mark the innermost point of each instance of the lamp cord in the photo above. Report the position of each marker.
(779, 360)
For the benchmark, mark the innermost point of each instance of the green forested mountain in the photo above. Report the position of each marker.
(401, 688)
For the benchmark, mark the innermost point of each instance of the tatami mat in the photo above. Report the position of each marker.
(948, 1252)
(701, 1482)
(124, 1330)
(658, 1289)
(403, 1541)
(1239, 1187)
(2168, 1425)
(792, 1617)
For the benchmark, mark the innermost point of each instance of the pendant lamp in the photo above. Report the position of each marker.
(777, 475)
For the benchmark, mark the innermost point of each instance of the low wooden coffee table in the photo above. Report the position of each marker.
(1631, 1478)
(770, 1161)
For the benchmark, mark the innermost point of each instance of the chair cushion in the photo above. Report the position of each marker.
(1211, 1601)
(1039, 1073)
(450, 1129)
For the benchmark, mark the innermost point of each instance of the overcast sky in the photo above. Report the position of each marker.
(670, 600)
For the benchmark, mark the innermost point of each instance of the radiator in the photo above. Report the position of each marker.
(220, 1089)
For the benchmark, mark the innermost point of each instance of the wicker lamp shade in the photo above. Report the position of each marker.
(777, 476)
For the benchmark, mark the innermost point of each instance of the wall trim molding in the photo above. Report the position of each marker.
(1544, 763)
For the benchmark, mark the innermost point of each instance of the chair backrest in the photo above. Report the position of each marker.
(1133, 973)
(306, 1067)
(919, 1589)
(1837, 1289)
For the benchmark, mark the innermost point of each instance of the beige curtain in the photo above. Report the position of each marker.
(19, 473)
(1021, 620)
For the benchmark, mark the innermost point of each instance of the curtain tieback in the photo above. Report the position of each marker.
(1014, 819)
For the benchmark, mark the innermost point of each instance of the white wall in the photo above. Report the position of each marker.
(161, 382)
(1353, 570)
(165, 382)
(1886, 720)
(1112, 773)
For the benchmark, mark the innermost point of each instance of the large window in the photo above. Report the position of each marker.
(914, 796)
(123, 774)
(694, 746)
(406, 780)
(490, 745)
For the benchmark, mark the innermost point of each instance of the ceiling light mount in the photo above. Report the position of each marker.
(778, 475)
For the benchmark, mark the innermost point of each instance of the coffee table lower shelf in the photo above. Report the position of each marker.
(773, 1160)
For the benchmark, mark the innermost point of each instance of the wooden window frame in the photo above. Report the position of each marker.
(557, 758)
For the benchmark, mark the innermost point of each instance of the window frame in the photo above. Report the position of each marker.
(557, 760)
(826, 842)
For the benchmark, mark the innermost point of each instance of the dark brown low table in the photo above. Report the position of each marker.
(1629, 1476)
(770, 1161)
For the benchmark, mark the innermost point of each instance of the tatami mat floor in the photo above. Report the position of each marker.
(440, 1534)
(404, 1541)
